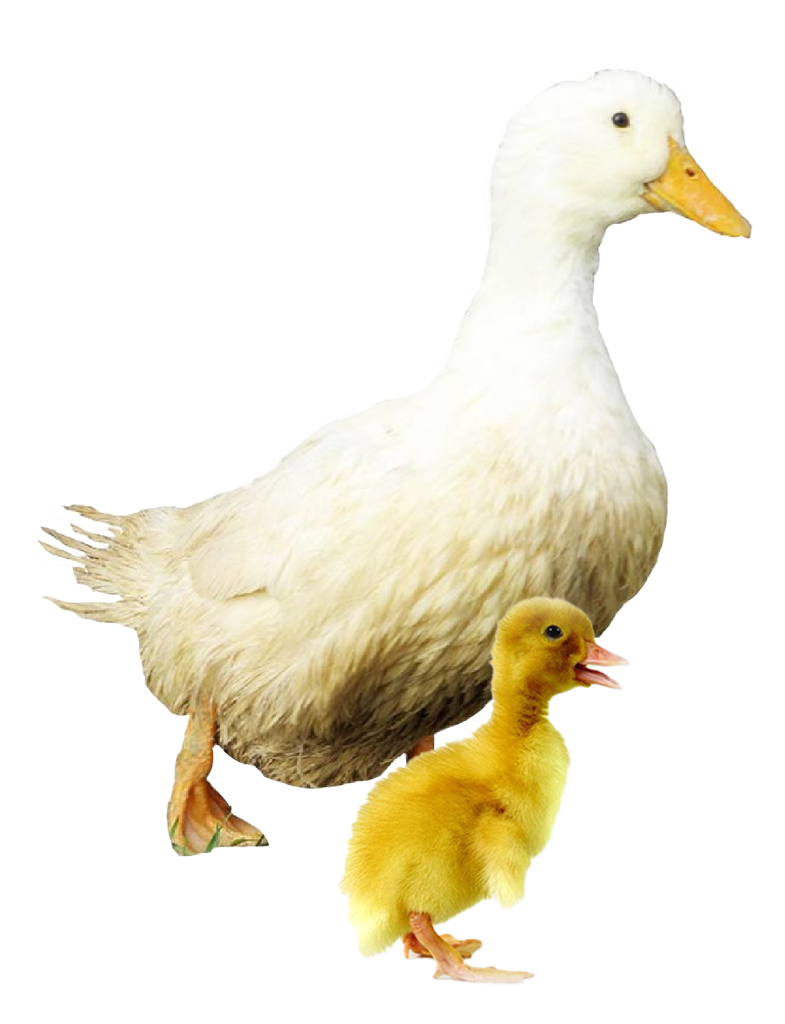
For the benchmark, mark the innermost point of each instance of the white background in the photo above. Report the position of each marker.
(610, 940)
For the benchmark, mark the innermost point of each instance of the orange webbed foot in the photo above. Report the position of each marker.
(465, 947)
(198, 817)
(467, 973)
(449, 961)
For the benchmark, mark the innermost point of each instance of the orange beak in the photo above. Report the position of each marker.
(596, 655)
(686, 189)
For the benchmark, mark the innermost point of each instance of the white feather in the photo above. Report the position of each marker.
(344, 604)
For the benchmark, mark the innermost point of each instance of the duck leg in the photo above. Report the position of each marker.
(413, 947)
(198, 817)
(450, 962)
(424, 744)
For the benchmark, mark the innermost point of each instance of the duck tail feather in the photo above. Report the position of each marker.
(107, 563)
(88, 512)
(99, 611)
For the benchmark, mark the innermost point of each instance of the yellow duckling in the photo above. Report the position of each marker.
(461, 824)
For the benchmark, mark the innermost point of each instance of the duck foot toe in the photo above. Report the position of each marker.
(203, 820)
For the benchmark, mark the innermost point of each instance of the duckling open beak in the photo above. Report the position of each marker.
(596, 655)
(686, 189)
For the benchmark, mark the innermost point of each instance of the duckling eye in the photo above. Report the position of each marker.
(621, 120)
(554, 632)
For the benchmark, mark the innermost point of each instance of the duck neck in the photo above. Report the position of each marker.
(535, 255)
(536, 295)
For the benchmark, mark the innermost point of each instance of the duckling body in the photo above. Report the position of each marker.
(461, 817)
(462, 823)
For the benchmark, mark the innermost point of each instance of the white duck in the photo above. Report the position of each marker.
(322, 620)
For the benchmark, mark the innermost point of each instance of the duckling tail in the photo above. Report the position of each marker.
(376, 927)
(378, 917)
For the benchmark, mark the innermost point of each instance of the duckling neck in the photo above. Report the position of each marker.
(515, 714)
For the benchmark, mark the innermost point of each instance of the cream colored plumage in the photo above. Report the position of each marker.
(343, 605)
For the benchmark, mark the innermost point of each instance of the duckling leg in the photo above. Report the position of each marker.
(198, 817)
(450, 962)
(413, 947)
(424, 744)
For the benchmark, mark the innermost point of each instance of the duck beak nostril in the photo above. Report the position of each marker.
(685, 189)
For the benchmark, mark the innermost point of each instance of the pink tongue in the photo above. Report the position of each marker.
(591, 675)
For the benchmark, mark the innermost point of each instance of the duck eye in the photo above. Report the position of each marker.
(554, 632)
(621, 120)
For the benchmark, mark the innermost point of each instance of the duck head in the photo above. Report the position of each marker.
(546, 646)
(601, 151)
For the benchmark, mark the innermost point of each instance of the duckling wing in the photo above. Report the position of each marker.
(501, 850)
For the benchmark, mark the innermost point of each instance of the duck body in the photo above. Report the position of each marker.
(344, 605)
(329, 615)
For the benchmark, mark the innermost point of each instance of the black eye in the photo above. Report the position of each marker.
(621, 120)
(554, 632)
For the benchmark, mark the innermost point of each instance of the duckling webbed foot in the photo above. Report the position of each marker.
(449, 961)
(413, 947)
(198, 817)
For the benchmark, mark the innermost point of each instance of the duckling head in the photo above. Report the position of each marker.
(598, 152)
(545, 646)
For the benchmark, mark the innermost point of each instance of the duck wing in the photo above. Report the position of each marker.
(307, 523)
